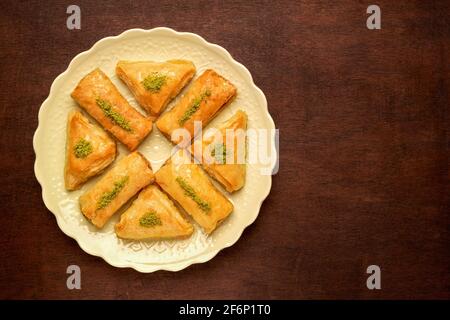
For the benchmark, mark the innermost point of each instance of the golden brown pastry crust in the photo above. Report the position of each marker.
(232, 175)
(167, 223)
(96, 85)
(189, 186)
(176, 74)
(79, 169)
(211, 91)
(115, 188)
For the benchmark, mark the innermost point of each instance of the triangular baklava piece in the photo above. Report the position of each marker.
(96, 94)
(155, 84)
(206, 96)
(89, 150)
(189, 185)
(121, 183)
(152, 216)
(223, 152)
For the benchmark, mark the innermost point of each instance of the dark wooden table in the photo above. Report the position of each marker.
(363, 118)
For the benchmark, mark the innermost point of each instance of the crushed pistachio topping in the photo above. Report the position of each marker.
(154, 81)
(150, 219)
(109, 196)
(82, 148)
(219, 152)
(114, 116)
(194, 107)
(189, 191)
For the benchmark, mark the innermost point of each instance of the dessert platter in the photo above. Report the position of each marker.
(142, 150)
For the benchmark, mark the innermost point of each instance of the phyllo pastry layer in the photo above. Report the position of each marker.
(155, 84)
(189, 185)
(152, 216)
(100, 98)
(115, 188)
(89, 150)
(204, 98)
(223, 154)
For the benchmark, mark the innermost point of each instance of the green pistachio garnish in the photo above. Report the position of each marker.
(114, 116)
(150, 219)
(194, 107)
(109, 196)
(189, 191)
(154, 81)
(82, 148)
(220, 153)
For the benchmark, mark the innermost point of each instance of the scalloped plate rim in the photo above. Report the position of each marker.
(143, 267)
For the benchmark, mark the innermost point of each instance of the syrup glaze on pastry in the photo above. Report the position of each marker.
(190, 186)
(100, 98)
(89, 150)
(155, 84)
(115, 188)
(204, 98)
(152, 216)
(215, 151)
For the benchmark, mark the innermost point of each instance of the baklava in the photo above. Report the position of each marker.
(89, 150)
(204, 98)
(155, 84)
(100, 98)
(222, 152)
(190, 187)
(115, 188)
(152, 216)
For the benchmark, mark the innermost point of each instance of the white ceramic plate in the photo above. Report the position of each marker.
(49, 144)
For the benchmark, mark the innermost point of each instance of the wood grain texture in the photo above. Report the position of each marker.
(363, 118)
